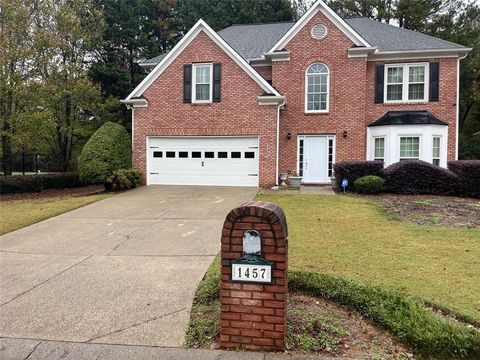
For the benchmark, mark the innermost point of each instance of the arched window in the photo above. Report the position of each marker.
(316, 88)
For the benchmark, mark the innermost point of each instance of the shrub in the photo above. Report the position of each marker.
(468, 172)
(21, 184)
(37, 183)
(61, 180)
(124, 179)
(419, 177)
(352, 170)
(108, 149)
(370, 184)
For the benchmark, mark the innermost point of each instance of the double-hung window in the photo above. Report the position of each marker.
(202, 83)
(436, 150)
(409, 148)
(406, 82)
(379, 149)
(316, 88)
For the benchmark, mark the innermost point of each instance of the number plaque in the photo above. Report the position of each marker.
(252, 269)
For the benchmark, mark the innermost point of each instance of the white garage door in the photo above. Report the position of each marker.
(229, 161)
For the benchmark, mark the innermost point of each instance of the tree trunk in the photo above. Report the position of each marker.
(7, 153)
(465, 115)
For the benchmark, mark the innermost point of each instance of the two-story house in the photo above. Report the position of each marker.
(240, 106)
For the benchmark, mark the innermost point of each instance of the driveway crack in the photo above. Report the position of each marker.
(136, 324)
(45, 281)
(33, 350)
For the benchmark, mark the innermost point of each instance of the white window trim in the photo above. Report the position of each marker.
(400, 136)
(405, 83)
(439, 149)
(306, 90)
(384, 146)
(194, 83)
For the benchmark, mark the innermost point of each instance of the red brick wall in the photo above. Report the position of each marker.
(445, 109)
(347, 93)
(352, 105)
(253, 316)
(237, 114)
(264, 71)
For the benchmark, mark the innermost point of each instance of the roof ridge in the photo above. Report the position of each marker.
(263, 23)
(403, 29)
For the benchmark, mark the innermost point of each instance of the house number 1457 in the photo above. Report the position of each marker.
(252, 273)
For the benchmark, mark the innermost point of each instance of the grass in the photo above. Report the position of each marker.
(17, 214)
(353, 238)
(404, 316)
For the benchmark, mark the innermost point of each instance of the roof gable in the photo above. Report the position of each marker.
(331, 15)
(182, 44)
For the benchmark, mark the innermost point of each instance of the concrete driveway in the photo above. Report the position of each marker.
(120, 271)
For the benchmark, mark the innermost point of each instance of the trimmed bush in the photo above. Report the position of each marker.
(352, 170)
(61, 180)
(416, 177)
(108, 149)
(37, 183)
(370, 184)
(20, 184)
(124, 179)
(469, 173)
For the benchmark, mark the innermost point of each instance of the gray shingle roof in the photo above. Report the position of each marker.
(392, 38)
(408, 117)
(251, 41)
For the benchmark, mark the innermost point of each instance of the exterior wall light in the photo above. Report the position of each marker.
(289, 136)
(345, 134)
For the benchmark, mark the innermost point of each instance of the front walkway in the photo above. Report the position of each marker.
(120, 271)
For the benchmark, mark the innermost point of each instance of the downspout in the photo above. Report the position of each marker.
(278, 142)
(458, 106)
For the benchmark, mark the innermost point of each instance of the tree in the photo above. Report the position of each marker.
(381, 10)
(16, 71)
(68, 32)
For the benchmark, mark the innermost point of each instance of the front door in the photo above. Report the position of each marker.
(317, 156)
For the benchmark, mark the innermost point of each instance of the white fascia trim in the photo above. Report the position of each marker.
(183, 43)
(361, 51)
(331, 15)
(278, 56)
(271, 100)
(135, 102)
(418, 54)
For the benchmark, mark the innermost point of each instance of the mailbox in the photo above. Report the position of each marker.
(254, 278)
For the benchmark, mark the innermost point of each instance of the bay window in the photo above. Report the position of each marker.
(409, 148)
(436, 150)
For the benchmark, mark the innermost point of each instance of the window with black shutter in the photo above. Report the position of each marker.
(433, 90)
(187, 83)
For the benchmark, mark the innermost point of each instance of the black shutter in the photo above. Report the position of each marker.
(187, 83)
(434, 82)
(379, 78)
(217, 79)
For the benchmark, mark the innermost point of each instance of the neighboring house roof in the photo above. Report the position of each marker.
(393, 38)
(422, 117)
(253, 40)
(181, 45)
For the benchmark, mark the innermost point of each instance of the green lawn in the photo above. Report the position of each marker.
(354, 238)
(20, 213)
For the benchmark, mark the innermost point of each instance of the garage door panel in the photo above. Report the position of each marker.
(203, 161)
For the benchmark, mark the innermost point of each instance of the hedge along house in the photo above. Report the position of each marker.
(240, 106)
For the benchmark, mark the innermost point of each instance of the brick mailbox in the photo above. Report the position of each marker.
(254, 278)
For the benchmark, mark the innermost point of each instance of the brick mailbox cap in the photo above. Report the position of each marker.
(270, 211)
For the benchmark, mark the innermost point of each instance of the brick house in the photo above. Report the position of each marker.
(243, 105)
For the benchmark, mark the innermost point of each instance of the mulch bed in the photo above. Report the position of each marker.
(433, 210)
(50, 193)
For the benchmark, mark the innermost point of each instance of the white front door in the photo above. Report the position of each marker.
(317, 155)
(226, 161)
